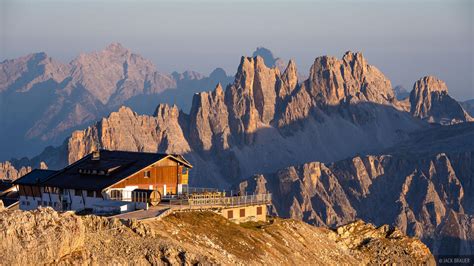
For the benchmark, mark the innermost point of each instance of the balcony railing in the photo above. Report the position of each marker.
(219, 201)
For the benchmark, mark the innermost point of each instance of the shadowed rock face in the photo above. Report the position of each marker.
(427, 193)
(430, 101)
(469, 107)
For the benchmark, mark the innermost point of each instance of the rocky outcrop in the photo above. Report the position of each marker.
(350, 79)
(209, 121)
(427, 193)
(430, 101)
(384, 243)
(195, 238)
(39, 236)
(18, 168)
(10, 172)
(251, 99)
(126, 130)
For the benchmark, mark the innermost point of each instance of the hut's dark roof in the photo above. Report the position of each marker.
(5, 184)
(37, 176)
(8, 202)
(112, 167)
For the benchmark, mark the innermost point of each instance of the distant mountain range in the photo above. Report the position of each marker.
(468, 106)
(268, 119)
(42, 100)
(423, 185)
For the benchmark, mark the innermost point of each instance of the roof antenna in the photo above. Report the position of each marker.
(96, 151)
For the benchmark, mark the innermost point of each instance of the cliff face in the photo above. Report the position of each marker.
(196, 238)
(264, 120)
(350, 79)
(8, 171)
(425, 193)
(430, 101)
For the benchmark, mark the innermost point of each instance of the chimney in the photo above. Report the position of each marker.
(96, 155)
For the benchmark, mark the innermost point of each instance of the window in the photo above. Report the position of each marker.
(230, 214)
(242, 212)
(184, 171)
(90, 193)
(45, 203)
(147, 174)
(259, 210)
(27, 203)
(98, 194)
(77, 192)
(39, 202)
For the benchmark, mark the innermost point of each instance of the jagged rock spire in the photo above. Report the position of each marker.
(430, 101)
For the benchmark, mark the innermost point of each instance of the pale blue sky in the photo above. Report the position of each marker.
(405, 39)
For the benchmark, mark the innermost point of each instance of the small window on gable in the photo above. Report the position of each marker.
(147, 174)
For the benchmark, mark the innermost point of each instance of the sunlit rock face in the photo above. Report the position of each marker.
(430, 101)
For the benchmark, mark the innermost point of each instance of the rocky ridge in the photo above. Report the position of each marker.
(427, 193)
(266, 120)
(31, 237)
(260, 122)
(9, 172)
(42, 100)
(430, 101)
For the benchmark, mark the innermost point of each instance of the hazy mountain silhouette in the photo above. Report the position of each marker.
(42, 100)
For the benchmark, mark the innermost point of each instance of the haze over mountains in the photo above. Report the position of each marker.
(269, 119)
(43, 100)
